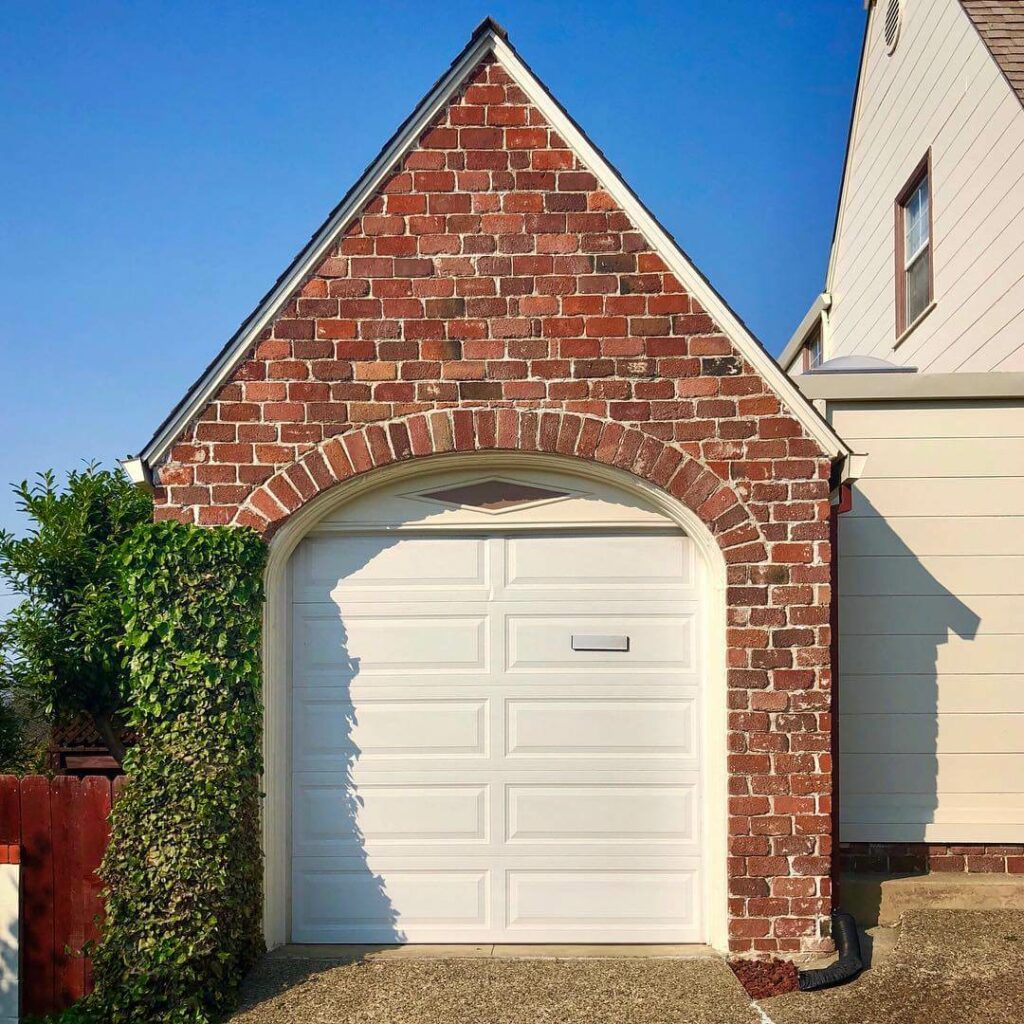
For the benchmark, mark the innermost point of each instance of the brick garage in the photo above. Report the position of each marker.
(492, 293)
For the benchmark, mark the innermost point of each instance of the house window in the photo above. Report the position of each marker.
(812, 350)
(914, 248)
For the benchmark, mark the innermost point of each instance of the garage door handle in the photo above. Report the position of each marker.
(583, 642)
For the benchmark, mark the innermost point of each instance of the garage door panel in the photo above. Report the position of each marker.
(601, 900)
(656, 641)
(333, 819)
(626, 728)
(614, 813)
(342, 901)
(651, 560)
(331, 734)
(330, 569)
(360, 643)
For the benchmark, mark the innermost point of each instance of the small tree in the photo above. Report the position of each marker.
(60, 648)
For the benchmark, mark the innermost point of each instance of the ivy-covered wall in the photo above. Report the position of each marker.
(184, 868)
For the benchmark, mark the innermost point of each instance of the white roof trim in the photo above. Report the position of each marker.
(911, 387)
(490, 40)
(844, 181)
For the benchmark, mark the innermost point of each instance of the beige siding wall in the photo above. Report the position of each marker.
(940, 89)
(931, 584)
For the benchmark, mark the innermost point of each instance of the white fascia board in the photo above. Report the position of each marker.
(844, 181)
(911, 387)
(663, 244)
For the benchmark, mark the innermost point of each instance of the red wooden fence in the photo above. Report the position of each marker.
(61, 827)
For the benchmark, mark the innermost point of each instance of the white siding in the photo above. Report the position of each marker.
(940, 89)
(931, 585)
(9, 943)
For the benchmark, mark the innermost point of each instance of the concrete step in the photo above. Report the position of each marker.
(883, 899)
(876, 943)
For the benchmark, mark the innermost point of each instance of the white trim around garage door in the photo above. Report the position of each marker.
(277, 659)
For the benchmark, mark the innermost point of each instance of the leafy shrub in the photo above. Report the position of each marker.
(183, 871)
(59, 648)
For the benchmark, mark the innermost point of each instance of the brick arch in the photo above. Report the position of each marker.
(552, 431)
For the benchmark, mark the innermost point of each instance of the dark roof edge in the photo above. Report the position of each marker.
(995, 56)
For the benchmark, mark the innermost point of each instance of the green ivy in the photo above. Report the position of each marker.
(183, 871)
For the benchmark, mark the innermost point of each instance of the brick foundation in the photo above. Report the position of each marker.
(919, 858)
(493, 296)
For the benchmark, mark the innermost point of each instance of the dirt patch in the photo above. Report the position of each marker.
(765, 978)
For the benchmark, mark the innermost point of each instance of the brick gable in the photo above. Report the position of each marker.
(493, 295)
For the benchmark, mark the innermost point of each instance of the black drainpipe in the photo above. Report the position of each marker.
(844, 927)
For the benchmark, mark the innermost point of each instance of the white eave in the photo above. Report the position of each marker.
(488, 38)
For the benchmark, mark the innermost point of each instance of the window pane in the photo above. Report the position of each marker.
(814, 352)
(915, 220)
(917, 286)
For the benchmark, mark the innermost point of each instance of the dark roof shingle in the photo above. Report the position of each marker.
(1000, 23)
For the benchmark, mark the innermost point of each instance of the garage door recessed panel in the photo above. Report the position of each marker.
(348, 645)
(635, 728)
(354, 901)
(327, 567)
(615, 813)
(333, 734)
(657, 642)
(627, 898)
(644, 560)
(334, 819)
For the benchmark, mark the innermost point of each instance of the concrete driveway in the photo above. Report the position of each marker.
(948, 966)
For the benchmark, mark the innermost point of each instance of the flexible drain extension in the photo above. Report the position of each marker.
(849, 964)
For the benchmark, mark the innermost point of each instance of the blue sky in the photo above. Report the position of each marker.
(163, 162)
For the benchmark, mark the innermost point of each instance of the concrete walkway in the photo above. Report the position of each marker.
(960, 967)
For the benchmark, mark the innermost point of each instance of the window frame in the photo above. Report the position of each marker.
(922, 172)
(814, 338)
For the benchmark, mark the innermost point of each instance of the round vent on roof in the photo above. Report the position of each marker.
(893, 17)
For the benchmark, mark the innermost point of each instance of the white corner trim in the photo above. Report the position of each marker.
(365, 188)
(276, 831)
(910, 387)
(9, 923)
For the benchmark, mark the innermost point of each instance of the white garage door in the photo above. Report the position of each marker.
(461, 773)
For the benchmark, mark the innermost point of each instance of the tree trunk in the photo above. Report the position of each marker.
(111, 737)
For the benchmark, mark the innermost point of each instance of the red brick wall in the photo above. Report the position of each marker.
(493, 296)
(916, 858)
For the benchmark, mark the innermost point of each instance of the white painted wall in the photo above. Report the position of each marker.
(9, 943)
(939, 89)
(931, 584)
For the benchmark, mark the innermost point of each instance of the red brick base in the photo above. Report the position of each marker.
(916, 858)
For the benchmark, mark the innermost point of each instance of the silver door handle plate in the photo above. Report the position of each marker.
(584, 642)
